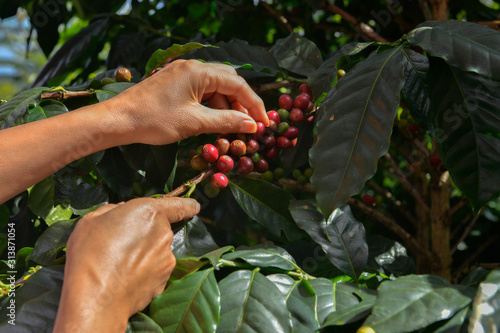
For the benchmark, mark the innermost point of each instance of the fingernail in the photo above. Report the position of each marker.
(248, 126)
(198, 207)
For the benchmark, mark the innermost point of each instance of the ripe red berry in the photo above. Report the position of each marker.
(271, 153)
(199, 163)
(435, 160)
(261, 128)
(268, 140)
(245, 165)
(252, 146)
(413, 128)
(310, 107)
(222, 145)
(210, 153)
(225, 164)
(219, 180)
(272, 126)
(368, 200)
(296, 116)
(123, 74)
(301, 101)
(304, 88)
(261, 166)
(238, 148)
(273, 115)
(283, 142)
(292, 132)
(285, 102)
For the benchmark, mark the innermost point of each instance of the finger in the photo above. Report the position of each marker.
(103, 209)
(225, 121)
(218, 101)
(177, 209)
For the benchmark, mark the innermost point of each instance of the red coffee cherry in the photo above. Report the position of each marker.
(225, 164)
(285, 102)
(301, 101)
(368, 200)
(435, 160)
(296, 116)
(413, 128)
(238, 148)
(199, 163)
(123, 74)
(261, 166)
(261, 128)
(283, 142)
(252, 146)
(271, 153)
(304, 88)
(222, 145)
(273, 115)
(245, 165)
(292, 132)
(219, 180)
(268, 140)
(272, 126)
(210, 153)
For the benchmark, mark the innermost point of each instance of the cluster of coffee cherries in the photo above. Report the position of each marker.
(244, 153)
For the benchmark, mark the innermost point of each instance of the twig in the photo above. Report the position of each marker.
(295, 185)
(187, 185)
(64, 95)
(363, 27)
(492, 24)
(278, 15)
(272, 86)
(460, 225)
(459, 205)
(466, 231)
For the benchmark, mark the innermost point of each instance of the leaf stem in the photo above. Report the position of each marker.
(189, 184)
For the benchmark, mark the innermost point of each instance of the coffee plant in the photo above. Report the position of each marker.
(369, 204)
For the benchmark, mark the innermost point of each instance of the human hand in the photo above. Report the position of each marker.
(118, 259)
(167, 107)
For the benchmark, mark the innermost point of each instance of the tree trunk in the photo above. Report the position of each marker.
(439, 9)
(423, 227)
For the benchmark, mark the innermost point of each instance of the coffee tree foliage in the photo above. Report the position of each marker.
(396, 228)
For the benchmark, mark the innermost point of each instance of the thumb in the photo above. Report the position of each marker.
(177, 209)
(227, 121)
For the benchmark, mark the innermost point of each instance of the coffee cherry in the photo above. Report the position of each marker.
(261, 166)
(267, 176)
(210, 153)
(199, 163)
(435, 160)
(252, 146)
(210, 191)
(272, 126)
(107, 80)
(310, 107)
(279, 173)
(284, 114)
(296, 173)
(304, 88)
(225, 164)
(296, 116)
(292, 132)
(301, 101)
(268, 140)
(273, 115)
(261, 128)
(222, 145)
(413, 128)
(255, 157)
(271, 153)
(122, 74)
(282, 128)
(301, 179)
(308, 173)
(219, 180)
(245, 165)
(368, 200)
(341, 73)
(285, 102)
(238, 148)
(365, 329)
(283, 143)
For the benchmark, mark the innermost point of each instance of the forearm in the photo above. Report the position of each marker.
(34, 151)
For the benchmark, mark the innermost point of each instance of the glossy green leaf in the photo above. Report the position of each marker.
(111, 90)
(390, 255)
(485, 315)
(51, 242)
(58, 213)
(188, 264)
(301, 302)
(297, 54)
(193, 240)
(16, 107)
(325, 294)
(160, 57)
(267, 204)
(284, 282)
(465, 113)
(426, 299)
(264, 255)
(46, 109)
(355, 128)
(469, 46)
(41, 197)
(251, 303)
(191, 304)
(342, 237)
(83, 198)
(457, 324)
(140, 323)
(117, 174)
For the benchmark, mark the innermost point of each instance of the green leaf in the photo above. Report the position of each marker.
(325, 291)
(297, 54)
(193, 240)
(163, 56)
(83, 199)
(51, 242)
(140, 323)
(111, 90)
(342, 237)
(457, 323)
(191, 304)
(46, 109)
(469, 46)
(465, 114)
(264, 255)
(251, 303)
(355, 127)
(117, 174)
(389, 255)
(41, 197)
(485, 315)
(267, 204)
(426, 299)
(301, 302)
(58, 213)
(15, 108)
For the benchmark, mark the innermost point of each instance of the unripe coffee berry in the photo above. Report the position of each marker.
(222, 145)
(225, 164)
(122, 74)
(210, 153)
(219, 180)
(199, 163)
(285, 102)
(273, 115)
(296, 173)
(301, 101)
(245, 165)
(279, 173)
(296, 116)
(283, 143)
(308, 173)
(261, 166)
(269, 140)
(292, 132)
(210, 191)
(267, 176)
(341, 73)
(255, 157)
(252, 146)
(107, 80)
(282, 128)
(238, 148)
(284, 114)
(261, 128)
(271, 153)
